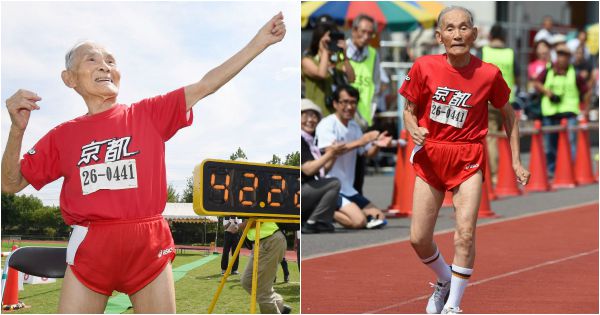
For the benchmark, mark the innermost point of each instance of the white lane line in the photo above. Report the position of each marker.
(500, 276)
(450, 230)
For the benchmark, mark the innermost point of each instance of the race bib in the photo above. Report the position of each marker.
(111, 175)
(448, 114)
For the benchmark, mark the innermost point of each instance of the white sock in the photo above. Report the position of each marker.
(438, 265)
(460, 279)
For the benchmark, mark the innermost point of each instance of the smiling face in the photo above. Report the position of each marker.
(345, 107)
(456, 32)
(308, 121)
(93, 73)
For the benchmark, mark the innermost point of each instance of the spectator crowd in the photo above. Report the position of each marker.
(344, 87)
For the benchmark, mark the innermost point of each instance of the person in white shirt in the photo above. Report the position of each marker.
(231, 238)
(341, 128)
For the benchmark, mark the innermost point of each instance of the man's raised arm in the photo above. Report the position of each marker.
(269, 34)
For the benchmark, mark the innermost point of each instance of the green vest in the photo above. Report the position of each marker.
(504, 59)
(564, 86)
(266, 229)
(365, 84)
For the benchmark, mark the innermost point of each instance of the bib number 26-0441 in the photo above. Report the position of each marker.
(111, 175)
(448, 114)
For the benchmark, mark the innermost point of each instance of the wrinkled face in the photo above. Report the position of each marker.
(456, 33)
(346, 106)
(94, 72)
(362, 34)
(309, 121)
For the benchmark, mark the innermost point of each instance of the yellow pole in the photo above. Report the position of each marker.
(255, 267)
(255, 262)
(230, 266)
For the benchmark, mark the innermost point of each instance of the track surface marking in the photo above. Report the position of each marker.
(546, 263)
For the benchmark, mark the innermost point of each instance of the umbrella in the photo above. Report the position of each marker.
(393, 15)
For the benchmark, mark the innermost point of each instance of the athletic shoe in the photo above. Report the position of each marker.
(436, 302)
(451, 310)
(235, 272)
(373, 223)
(223, 272)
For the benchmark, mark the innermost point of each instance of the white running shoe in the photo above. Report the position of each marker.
(451, 310)
(436, 302)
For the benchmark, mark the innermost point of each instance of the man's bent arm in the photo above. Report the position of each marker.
(12, 179)
(511, 127)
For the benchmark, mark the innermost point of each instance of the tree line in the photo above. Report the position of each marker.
(27, 215)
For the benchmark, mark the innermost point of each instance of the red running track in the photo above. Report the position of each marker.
(541, 263)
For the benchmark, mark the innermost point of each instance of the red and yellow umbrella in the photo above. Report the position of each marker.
(393, 15)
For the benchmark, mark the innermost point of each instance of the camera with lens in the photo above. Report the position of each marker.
(334, 37)
(555, 98)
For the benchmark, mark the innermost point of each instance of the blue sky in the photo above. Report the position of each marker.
(161, 46)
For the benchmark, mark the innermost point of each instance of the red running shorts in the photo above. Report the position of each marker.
(446, 165)
(123, 255)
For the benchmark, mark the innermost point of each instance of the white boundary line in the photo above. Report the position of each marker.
(437, 233)
(500, 276)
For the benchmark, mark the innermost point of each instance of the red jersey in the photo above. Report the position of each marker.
(113, 163)
(452, 103)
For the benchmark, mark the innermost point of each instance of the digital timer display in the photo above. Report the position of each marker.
(246, 189)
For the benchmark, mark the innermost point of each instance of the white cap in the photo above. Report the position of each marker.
(307, 104)
(558, 38)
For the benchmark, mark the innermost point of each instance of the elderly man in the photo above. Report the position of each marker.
(562, 91)
(446, 116)
(365, 62)
(112, 160)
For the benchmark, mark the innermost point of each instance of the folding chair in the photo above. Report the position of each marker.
(45, 262)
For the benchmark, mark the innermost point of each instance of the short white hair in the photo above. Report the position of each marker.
(452, 8)
(71, 53)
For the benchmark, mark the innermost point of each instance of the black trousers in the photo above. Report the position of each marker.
(230, 241)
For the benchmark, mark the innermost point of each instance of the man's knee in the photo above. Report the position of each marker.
(464, 239)
(421, 242)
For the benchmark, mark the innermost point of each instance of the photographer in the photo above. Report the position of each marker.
(562, 91)
(325, 65)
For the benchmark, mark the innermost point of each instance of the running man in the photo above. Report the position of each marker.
(446, 115)
(113, 163)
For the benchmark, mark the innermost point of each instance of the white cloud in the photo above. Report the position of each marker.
(161, 46)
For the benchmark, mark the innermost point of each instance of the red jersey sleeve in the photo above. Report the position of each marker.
(41, 164)
(500, 92)
(411, 88)
(167, 112)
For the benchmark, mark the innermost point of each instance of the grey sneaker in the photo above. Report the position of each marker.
(451, 310)
(436, 302)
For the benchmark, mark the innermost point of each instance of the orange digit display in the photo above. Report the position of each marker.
(246, 189)
(224, 188)
(276, 191)
(250, 189)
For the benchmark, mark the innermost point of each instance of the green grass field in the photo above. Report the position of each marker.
(193, 292)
